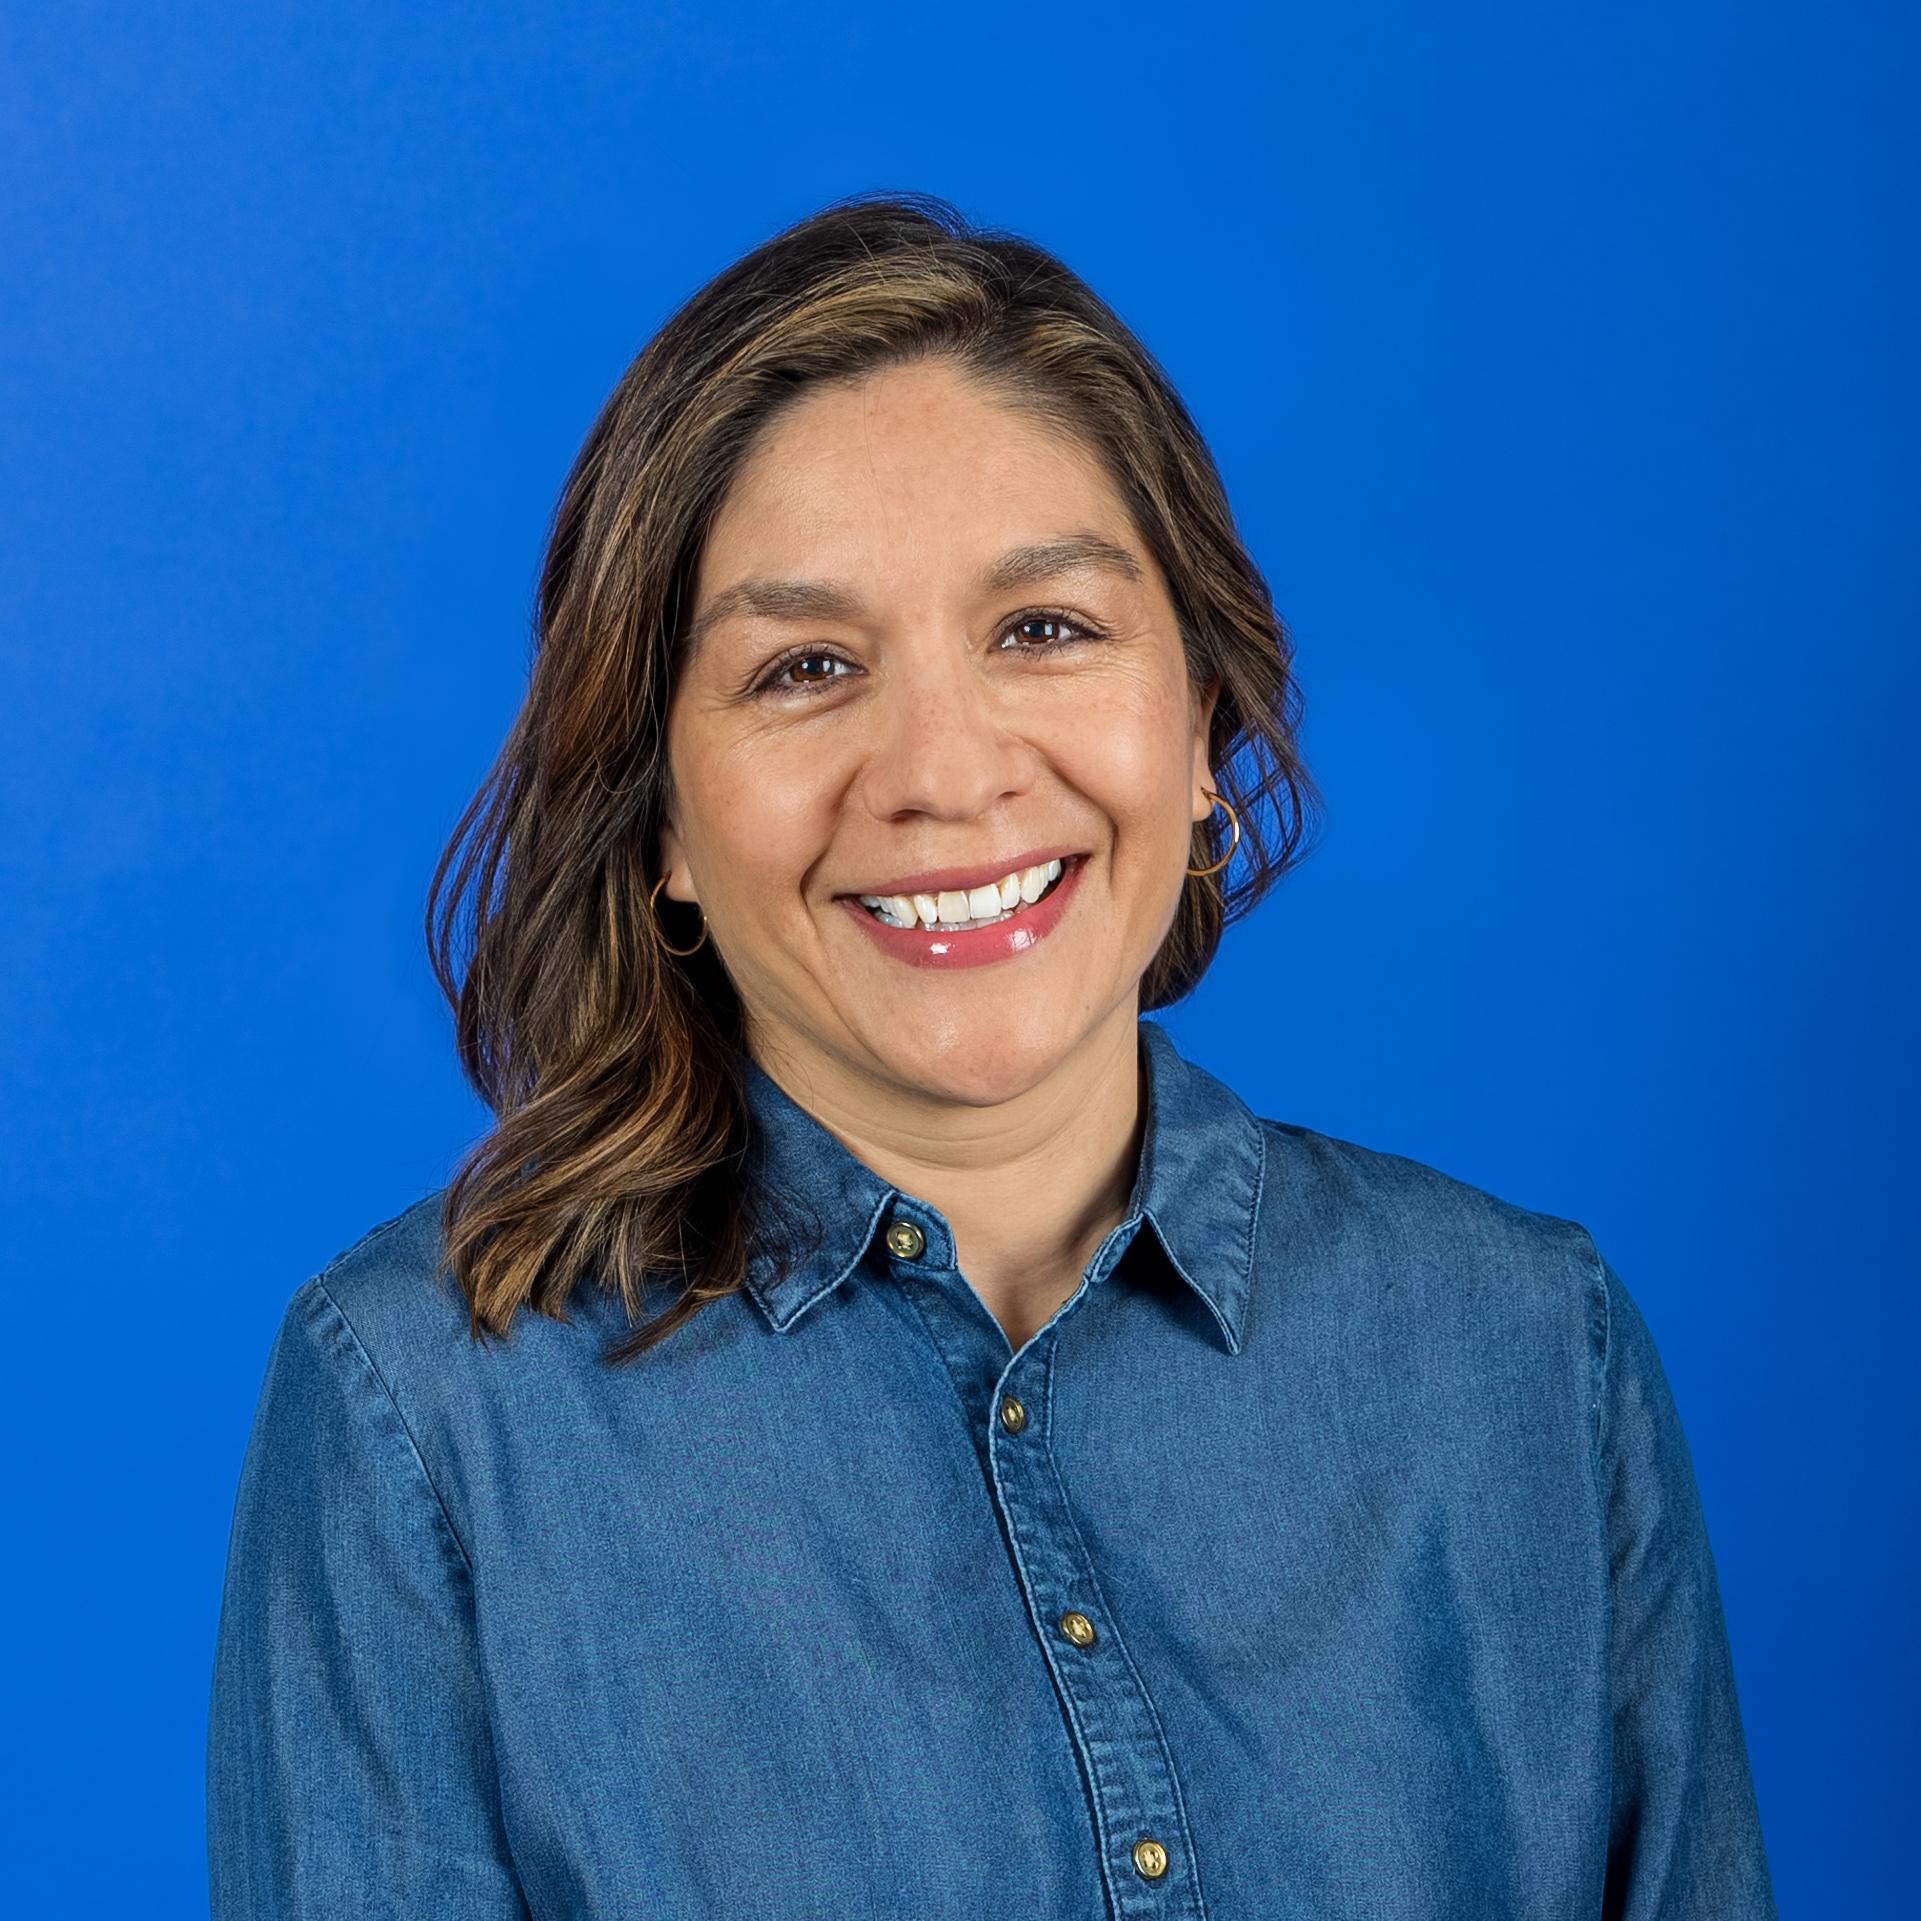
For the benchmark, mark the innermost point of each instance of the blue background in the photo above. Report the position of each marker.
(1561, 366)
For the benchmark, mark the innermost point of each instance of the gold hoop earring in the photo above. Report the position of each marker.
(680, 953)
(1234, 821)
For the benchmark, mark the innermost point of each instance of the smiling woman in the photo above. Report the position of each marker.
(876, 686)
(1047, 1487)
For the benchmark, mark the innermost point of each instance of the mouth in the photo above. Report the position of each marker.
(982, 930)
(960, 910)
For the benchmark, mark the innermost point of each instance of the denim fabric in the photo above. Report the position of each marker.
(1368, 1485)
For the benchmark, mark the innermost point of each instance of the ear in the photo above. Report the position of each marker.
(673, 864)
(1203, 768)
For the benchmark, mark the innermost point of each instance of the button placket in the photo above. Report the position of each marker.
(1140, 1824)
(1146, 1862)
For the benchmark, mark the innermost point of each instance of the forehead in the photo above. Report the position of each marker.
(916, 466)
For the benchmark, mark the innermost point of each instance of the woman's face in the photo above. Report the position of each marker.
(895, 688)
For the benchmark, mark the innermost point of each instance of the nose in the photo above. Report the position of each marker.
(944, 744)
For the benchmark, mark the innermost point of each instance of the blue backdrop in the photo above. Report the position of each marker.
(1561, 365)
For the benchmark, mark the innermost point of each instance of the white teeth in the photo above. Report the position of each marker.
(966, 907)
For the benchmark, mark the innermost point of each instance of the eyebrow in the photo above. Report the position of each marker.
(834, 600)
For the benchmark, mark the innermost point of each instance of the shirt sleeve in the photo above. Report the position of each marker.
(1685, 1833)
(350, 1766)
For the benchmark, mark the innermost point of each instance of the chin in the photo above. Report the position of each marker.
(979, 1059)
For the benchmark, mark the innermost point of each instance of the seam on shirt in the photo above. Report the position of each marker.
(372, 1238)
(1601, 1347)
(1601, 1342)
(1253, 1225)
(360, 1347)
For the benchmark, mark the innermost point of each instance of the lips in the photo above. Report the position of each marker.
(1018, 932)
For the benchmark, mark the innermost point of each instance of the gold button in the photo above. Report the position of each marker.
(1078, 1629)
(1150, 1859)
(905, 1241)
(1013, 1415)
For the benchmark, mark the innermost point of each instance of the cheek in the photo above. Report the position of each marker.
(1128, 750)
(757, 817)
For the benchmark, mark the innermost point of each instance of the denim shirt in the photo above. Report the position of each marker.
(1333, 1551)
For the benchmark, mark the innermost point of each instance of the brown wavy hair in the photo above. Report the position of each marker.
(615, 1071)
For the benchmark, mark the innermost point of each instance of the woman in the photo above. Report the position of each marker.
(1047, 1488)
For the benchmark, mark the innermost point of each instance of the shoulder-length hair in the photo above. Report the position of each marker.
(616, 1071)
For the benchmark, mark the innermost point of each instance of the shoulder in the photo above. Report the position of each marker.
(395, 1289)
(1373, 1187)
(1376, 1220)
(390, 1331)
(389, 1301)
(392, 1279)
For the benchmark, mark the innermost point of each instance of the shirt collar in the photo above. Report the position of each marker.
(1199, 1184)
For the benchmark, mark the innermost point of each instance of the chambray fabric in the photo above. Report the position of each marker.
(1369, 1483)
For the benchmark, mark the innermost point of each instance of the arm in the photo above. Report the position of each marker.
(350, 1768)
(1685, 1835)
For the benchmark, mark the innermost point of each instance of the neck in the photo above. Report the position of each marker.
(1030, 1186)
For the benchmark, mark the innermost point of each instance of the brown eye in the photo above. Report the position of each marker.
(1047, 631)
(805, 667)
